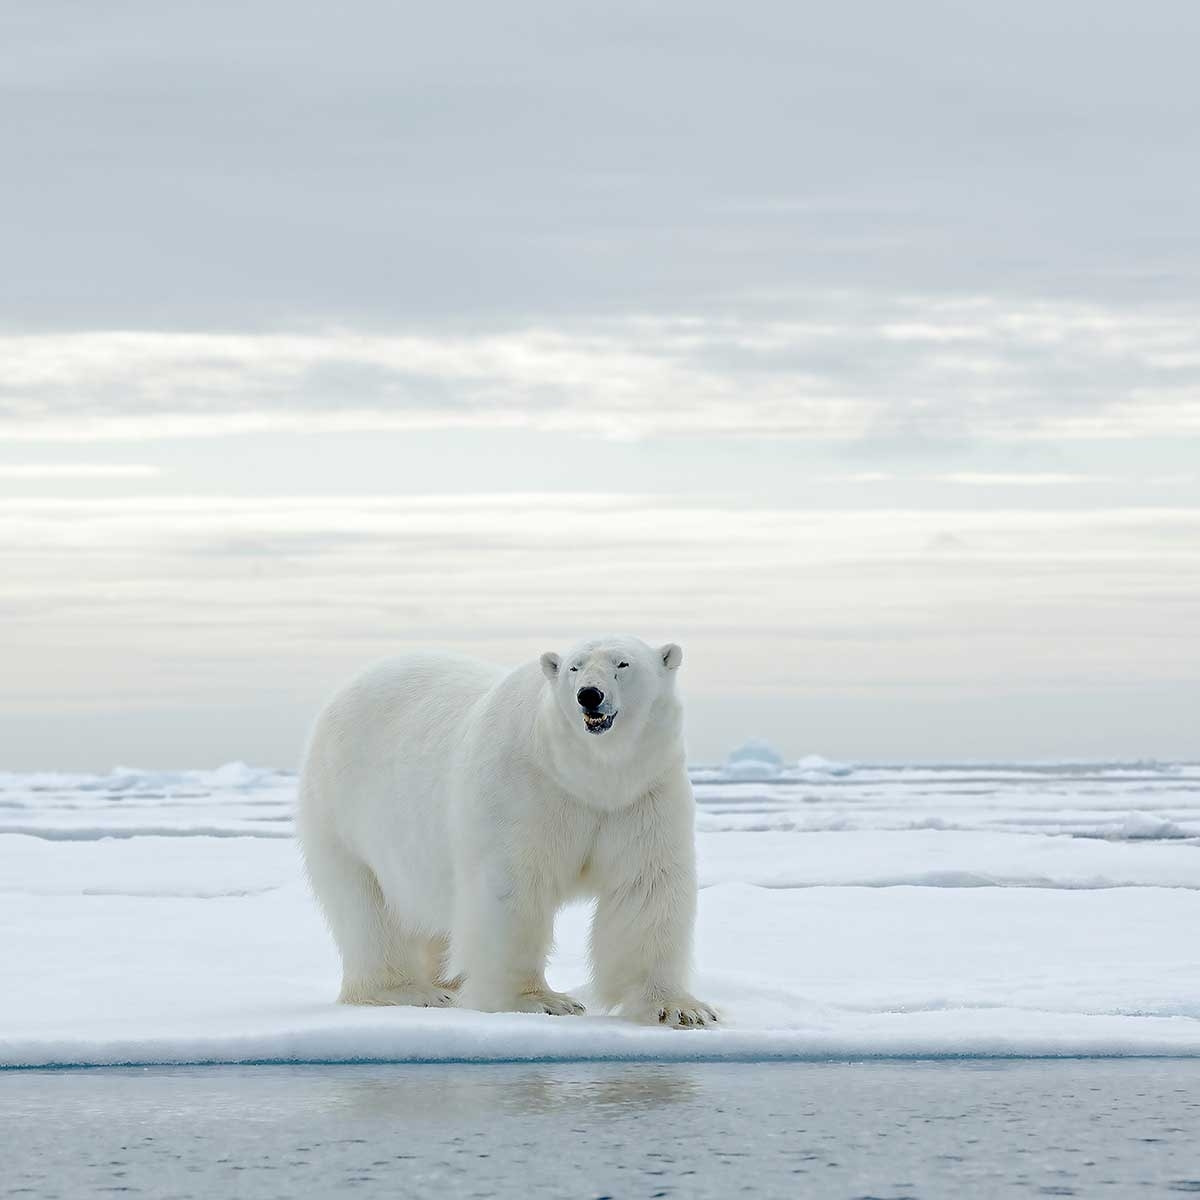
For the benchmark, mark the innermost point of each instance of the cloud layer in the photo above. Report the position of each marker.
(861, 368)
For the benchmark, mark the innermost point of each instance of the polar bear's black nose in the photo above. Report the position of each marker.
(590, 697)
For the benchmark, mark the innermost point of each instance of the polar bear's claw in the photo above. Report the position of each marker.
(686, 1014)
(556, 1004)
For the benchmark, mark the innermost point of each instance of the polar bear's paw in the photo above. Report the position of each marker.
(543, 1000)
(414, 995)
(677, 1012)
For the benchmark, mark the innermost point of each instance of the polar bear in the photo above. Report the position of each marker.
(448, 809)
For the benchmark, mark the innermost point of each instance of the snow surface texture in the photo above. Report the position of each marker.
(846, 911)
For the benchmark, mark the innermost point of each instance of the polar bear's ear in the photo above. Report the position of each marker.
(672, 655)
(550, 664)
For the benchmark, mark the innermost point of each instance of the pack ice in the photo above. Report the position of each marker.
(846, 910)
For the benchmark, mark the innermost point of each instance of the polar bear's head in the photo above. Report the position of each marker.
(612, 683)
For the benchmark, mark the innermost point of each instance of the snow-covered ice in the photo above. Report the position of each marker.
(990, 909)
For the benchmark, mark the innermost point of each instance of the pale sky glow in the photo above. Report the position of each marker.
(856, 349)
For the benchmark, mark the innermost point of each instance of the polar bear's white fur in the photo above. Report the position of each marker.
(448, 809)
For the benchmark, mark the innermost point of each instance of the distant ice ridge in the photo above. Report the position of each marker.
(121, 778)
(232, 800)
(230, 775)
(757, 761)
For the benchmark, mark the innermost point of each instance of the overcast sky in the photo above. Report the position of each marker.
(856, 347)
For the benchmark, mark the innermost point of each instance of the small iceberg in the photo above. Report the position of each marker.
(752, 761)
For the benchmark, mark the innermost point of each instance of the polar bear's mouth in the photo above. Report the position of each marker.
(598, 722)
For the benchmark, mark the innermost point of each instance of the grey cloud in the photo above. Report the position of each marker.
(263, 164)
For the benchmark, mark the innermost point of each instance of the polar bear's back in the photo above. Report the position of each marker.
(378, 761)
(423, 695)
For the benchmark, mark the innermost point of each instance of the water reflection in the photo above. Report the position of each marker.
(421, 1093)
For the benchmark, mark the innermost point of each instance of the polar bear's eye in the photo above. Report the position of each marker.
(574, 668)
(620, 665)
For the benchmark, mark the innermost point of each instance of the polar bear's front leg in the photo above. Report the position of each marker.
(641, 945)
(646, 911)
(505, 925)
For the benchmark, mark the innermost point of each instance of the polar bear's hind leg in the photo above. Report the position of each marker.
(381, 962)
